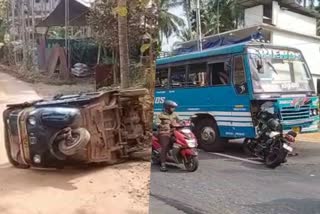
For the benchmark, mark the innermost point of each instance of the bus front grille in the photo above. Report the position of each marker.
(293, 113)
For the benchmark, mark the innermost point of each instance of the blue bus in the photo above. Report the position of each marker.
(221, 90)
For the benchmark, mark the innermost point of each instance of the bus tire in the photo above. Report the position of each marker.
(206, 131)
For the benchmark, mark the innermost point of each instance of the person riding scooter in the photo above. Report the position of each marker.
(164, 122)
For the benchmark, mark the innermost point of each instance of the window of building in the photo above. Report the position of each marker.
(267, 14)
(178, 76)
(162, 78)
(197, 75)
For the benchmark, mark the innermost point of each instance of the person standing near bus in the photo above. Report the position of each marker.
(165, 120)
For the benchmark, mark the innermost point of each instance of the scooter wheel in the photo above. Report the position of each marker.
(191, 164)
(155, 161)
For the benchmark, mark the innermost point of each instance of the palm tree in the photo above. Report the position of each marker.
(123, 42)
(169, 23)
(216, 18)
(188, 6)
(185, 35)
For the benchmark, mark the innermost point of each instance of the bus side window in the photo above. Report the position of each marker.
(220, 73)
(162, 79)
(197, 75)
(239, 75)
(178, 76)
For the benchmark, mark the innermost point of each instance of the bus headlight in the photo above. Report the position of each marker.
(314, 112)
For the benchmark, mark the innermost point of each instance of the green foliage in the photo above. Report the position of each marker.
(169, 23)
(218, 18)
(3, 19)
(104, 23)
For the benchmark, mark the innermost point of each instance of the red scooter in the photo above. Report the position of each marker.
(183, 150)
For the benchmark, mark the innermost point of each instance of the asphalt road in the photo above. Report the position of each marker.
(237, 184)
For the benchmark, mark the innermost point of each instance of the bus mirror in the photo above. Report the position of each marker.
(318, 86)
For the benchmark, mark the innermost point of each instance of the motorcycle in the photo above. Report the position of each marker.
(271, 144)
(183, 149)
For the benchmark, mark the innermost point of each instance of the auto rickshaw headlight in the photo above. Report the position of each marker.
(37, 159)
(32, 121)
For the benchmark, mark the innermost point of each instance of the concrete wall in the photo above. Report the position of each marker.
(253, 16)
(295, 22)
(309, 47)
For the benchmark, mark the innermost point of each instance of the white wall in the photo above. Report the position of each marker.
(295, 22)
(309, 47)
(253, 16)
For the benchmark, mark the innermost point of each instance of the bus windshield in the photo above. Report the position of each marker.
(276, 70)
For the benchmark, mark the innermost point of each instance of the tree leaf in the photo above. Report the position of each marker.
(121, 11)
(144, 47)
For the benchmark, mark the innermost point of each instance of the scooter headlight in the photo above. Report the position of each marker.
(32, 121)
(192, 143)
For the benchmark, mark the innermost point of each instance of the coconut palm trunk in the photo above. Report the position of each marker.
(123, 43)
(188, 11)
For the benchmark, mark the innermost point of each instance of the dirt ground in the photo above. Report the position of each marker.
(122, 188)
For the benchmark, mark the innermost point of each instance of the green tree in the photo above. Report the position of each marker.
(3, 18)
(169, 23)
(218, 16)
(185, 35)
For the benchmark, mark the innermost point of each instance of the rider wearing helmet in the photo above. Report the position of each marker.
(164, 122)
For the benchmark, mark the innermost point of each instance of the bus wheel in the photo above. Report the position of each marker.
(207, 134)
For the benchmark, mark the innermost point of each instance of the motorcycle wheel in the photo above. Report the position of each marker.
(275, 158)
(191, 164)
(248, 147)
(81, 138)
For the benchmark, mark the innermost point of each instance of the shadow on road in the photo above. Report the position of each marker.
(288, 206)
(23, 180)
(186, 208)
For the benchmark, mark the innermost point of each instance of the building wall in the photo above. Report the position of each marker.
(295, 22)
(309, 47)
(253, 16)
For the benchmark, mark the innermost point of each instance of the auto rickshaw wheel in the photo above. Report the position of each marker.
(80, 139)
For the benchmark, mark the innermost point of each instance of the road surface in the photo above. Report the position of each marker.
(115, 189)
(232, 183)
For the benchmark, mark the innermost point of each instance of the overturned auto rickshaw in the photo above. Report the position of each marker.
(103, 127)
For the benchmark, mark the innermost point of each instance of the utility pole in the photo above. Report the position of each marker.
(67, 41)
(13, 20)
(33, 23)
(23, 32)
(218, 18)
(199, 26)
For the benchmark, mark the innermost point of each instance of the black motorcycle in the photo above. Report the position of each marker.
(271, 144)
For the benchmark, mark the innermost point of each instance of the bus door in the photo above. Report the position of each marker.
(241, 114)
